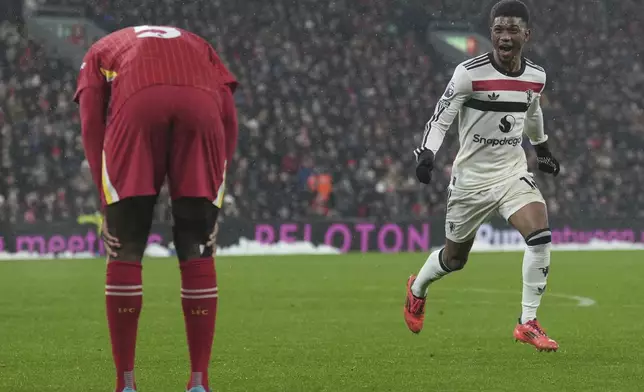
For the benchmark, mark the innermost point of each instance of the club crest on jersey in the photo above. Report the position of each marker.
(449, 92)
(530, 95)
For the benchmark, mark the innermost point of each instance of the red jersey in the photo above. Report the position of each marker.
(129, 60)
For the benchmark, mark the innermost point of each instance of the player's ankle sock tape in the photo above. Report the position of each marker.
(539, 237)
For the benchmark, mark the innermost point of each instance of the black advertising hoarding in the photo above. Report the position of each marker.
(346, 235)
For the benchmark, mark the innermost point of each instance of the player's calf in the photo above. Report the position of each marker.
(536, 267)
(531, 221)
(129, 220)
(456, 254)
(194, 223)
(451, 258)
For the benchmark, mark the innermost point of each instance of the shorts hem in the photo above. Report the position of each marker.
(514, 210)
(461, 241)
(121, 198)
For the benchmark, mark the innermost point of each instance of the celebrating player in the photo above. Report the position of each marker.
(496, 96)
(157, 101)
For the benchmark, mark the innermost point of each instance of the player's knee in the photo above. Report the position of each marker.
(539, 237)
(194, 222)
(132, 251)
(129, 220)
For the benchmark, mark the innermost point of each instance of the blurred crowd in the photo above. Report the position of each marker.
(333, 99)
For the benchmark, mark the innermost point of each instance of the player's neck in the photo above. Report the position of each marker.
(512, 66)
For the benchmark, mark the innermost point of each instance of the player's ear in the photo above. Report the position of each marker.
(528, 34)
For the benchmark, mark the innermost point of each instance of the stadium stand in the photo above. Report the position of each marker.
(334, 98)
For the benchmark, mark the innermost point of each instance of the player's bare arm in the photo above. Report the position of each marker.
(93, 101)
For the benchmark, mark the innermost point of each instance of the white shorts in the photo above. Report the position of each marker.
(467, 210)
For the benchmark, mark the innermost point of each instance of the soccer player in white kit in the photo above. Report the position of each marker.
(496, 97)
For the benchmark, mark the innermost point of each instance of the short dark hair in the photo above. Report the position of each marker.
(510, 8)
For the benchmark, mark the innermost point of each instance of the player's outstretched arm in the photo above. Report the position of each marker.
(456, 94)
(535, 131)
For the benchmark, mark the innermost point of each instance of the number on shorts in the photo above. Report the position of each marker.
(530, 182)
(156, 32)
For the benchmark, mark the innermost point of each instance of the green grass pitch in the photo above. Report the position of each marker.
(333, 323)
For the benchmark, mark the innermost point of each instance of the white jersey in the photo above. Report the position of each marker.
(495, 108)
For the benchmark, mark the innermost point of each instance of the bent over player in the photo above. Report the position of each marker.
(157, 102)
(496, 96)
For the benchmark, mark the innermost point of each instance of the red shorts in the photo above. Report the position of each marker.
(165, 131)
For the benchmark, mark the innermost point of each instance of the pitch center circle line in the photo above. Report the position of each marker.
(581, 301)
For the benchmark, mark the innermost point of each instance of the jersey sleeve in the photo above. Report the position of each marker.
(225, 76)
(458, 91)
(90, 74)
(534, 121)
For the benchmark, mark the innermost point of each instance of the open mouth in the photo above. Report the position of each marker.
(505, 49)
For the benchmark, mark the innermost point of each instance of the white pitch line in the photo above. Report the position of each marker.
(581, 301)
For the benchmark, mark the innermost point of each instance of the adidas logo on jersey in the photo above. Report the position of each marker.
(493, 96)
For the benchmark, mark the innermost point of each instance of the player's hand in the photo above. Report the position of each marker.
(424, 164)
(546, 162)
(111, 243)
(212, 239)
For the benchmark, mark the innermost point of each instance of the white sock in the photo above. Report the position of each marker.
(536, 265)
(433, 270)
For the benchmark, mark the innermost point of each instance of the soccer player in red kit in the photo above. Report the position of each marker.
(157, 102)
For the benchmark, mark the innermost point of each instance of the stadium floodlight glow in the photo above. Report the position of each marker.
(458, 44)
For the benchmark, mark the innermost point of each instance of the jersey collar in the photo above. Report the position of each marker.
(496, 66)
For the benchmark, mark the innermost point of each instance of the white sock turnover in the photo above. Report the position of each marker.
(432, 271)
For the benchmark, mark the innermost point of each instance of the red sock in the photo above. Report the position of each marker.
(123, 298)
(199, 300)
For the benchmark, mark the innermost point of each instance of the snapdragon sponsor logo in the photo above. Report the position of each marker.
(512, 141)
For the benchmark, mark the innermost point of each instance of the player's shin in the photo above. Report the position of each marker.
(124, 299)
(433, 269)
(199, 301)
(536, 266)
